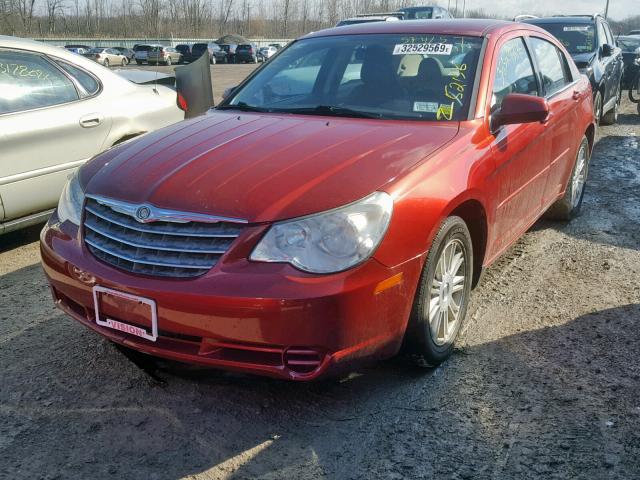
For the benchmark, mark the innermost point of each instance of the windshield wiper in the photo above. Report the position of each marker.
(243, 107)
(333, 111)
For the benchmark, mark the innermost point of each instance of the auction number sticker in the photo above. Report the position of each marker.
(423, 48)
(577, 28)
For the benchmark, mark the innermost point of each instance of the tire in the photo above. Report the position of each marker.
(597, 107)
(168, 63)
(153, 64)
(138, 62)
(255, 59)
(123, 62)
(430, 339)
(569, 205)
(611, 117)
(106, 63)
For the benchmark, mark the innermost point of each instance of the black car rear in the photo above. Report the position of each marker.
(185, 51)
(247, 53)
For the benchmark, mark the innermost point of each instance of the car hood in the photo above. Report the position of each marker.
(583, 60)
(263, 168)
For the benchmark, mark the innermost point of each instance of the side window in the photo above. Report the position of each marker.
(602, 35)
(90, 84)
(514, 73)
(611, 40)
(550, 60)
(29, 81)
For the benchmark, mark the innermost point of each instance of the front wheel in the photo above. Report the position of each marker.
(569, 205)
(440, 305)
(106, 62)
(168, 62)
(213, 60)
(123, 62)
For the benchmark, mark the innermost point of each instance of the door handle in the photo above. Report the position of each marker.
(90, 121)
(576, 95)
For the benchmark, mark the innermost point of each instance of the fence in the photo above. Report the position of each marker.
(130, 42)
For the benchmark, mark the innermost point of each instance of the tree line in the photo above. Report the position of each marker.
(198, 18)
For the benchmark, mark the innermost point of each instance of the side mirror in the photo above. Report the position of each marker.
(228, 92)
(519, 108)
(607, 50)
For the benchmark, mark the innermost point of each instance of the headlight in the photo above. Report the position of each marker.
(71, 200)
(329, 242)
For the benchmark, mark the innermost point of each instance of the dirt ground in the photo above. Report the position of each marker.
(544, 384)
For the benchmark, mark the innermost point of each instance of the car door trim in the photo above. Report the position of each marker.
(40, 172)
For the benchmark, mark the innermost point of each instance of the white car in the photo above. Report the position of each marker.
(267, 52)
(57, 110)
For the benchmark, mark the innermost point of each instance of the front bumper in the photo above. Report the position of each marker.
(268, 319)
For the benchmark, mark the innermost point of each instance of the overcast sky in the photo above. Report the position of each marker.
(618, 9)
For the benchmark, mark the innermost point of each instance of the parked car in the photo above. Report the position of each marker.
(247, 53)
(369, 19)
(630, 46)
(106, 56)
(57, 110)
(127, 52)
(164, 56)
(589, 40)
(216, 53)
(77, 50)
(267, 52)
(185, 52)
(142, 52)
(230, 51)
(74, 46)
(335, 223)
(424, 13)
(277, 46)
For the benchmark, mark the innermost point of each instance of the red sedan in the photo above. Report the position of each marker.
(338, 206)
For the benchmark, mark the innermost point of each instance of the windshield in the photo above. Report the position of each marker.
(96, 50)
(629, 45)
(576, 38)
(395, 76)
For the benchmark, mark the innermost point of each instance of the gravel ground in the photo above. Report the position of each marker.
(544, 384)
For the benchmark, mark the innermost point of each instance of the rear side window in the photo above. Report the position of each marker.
(552, 64)
(514, 73)
(90, 84)
(29, 81)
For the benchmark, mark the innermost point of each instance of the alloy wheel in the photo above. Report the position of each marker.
(579, 177)
(447, 292)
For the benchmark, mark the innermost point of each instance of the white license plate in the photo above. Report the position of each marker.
(125, 327)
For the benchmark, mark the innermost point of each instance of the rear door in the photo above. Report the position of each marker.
(520, 151)
(609, 67)
(49, 125)
(558, 88)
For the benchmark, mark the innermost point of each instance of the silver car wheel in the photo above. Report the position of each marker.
(579, 177)
(447, 293)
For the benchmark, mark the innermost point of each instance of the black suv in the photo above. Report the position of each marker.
(589, 40)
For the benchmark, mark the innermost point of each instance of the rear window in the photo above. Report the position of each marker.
(142, 48)
(576, 37)
(198, 47)
(244, 47)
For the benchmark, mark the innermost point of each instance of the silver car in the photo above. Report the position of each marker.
(107, 56)
(57, 110)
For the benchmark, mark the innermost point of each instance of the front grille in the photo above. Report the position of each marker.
(157, 248)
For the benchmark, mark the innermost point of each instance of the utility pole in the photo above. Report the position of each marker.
(606, 10)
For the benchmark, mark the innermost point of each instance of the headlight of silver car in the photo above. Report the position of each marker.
(331, 241)
(71, 201)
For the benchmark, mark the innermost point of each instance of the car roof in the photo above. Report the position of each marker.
(467, 27)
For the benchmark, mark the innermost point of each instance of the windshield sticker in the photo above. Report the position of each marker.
(455, 89)
(445, 111)
(425, 107)
(577, 28)
(423, 48)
